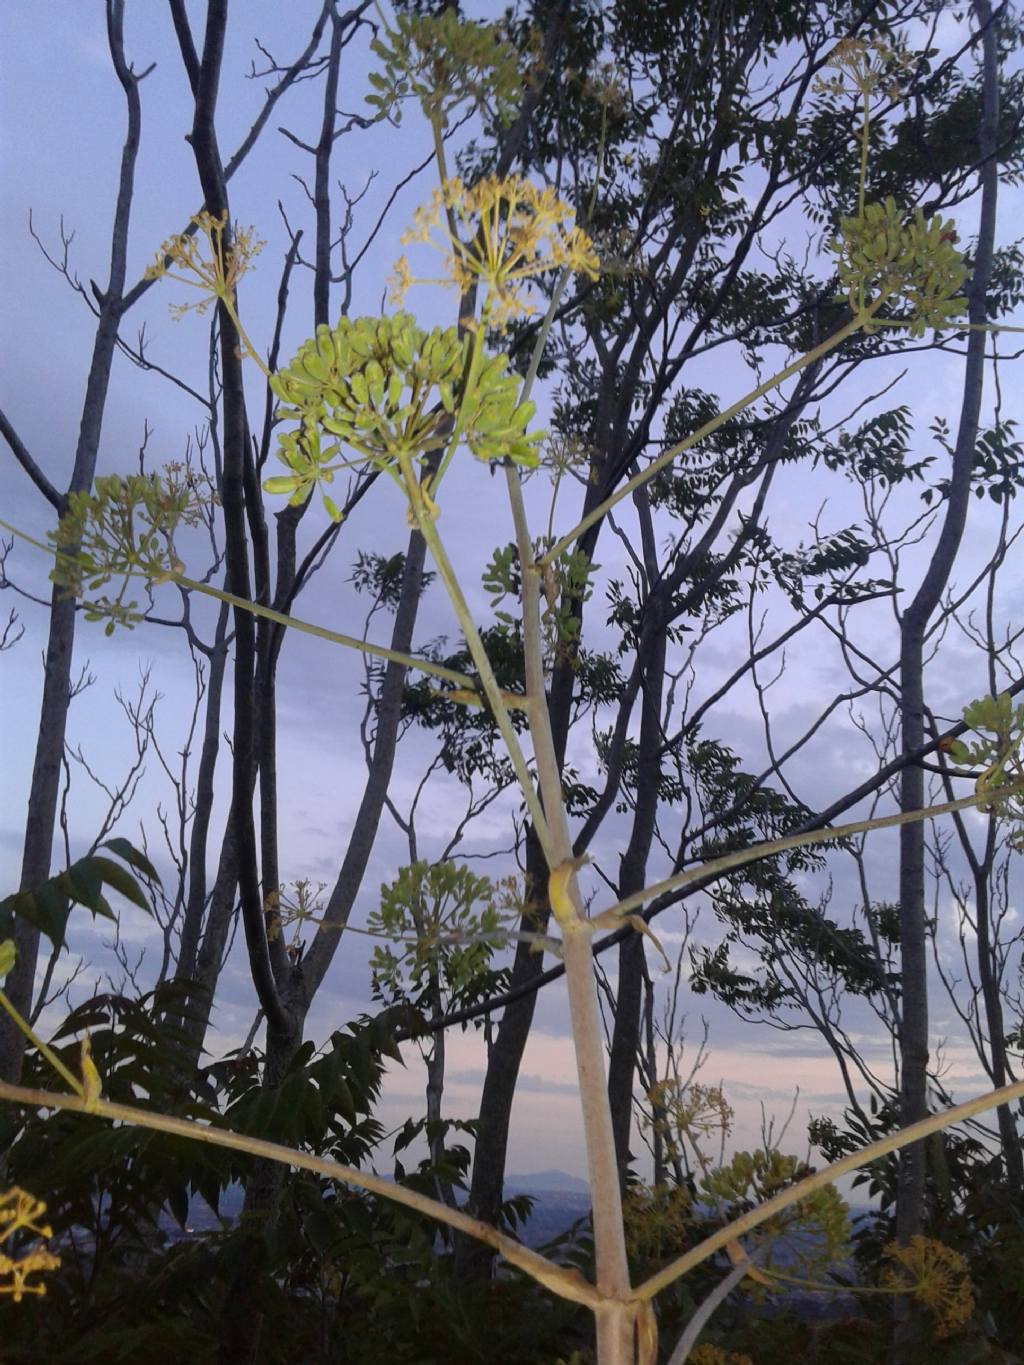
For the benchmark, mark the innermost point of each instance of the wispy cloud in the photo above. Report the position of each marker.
(530, 1083)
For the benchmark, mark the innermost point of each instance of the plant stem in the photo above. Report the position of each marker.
(47, 1052)
(568, 1284)
(706, 1309)
(741, 857)
(494, 694)
(461, 680)
(934, 1123)
(614, 1321)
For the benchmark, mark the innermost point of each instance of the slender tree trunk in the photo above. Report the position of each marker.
(1011, 1138)
(45, 785)
(651, 1060)
(209, 956)
(632, 877)
(913, 1039)
(195, 910)
(435, 1064)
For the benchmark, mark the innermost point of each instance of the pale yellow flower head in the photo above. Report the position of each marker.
(22, 1212)
(514, 230)
(865, 66)
(203, 262)
(698, 1111)
(939, 1279)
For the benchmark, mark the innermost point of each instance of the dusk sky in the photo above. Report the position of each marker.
(63, 112)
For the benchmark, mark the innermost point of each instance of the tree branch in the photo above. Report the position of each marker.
(21, 454)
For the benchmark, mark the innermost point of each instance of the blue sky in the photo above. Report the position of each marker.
(61, 97)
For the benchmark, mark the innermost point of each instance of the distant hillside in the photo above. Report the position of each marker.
(543, 1181)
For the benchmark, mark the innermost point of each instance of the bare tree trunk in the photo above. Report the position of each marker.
(651, 1073)
(632, 877)
(44, 789)
(199, 837)
(435, 1064)
(209, 957)
(913, 1039)
(1011, 1139)
(242, 513)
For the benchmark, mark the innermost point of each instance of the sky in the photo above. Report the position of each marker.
(60, 95)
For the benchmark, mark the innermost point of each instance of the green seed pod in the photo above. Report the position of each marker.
(325, 344)
(375, 382)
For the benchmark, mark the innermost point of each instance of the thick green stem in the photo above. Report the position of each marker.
(461, 680)
(425, 522)
(741, 857)
(26, 1028)
(614, 1322)
(568, 1284)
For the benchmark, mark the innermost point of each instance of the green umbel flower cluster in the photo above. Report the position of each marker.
(125, 527)
(913, 261)
(388, 390)
(494, 421)
(446, 924)
(752, 1178)
(444, 62)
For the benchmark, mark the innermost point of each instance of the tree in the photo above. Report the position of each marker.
(914, 974)
(110, 305)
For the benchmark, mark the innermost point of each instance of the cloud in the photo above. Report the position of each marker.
(746, 1091)
(529, 1083)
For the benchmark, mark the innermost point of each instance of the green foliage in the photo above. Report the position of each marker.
(48, 906)
(381, 577)
(566, 584)
(999, 723)
(998, 463)
(876, 450)
(126, 1283)
(816, 1229)
(761, 905)
(469, 736)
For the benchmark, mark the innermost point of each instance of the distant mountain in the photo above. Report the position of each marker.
(544, 1181)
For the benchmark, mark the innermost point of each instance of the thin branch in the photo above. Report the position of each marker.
(21, 454)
